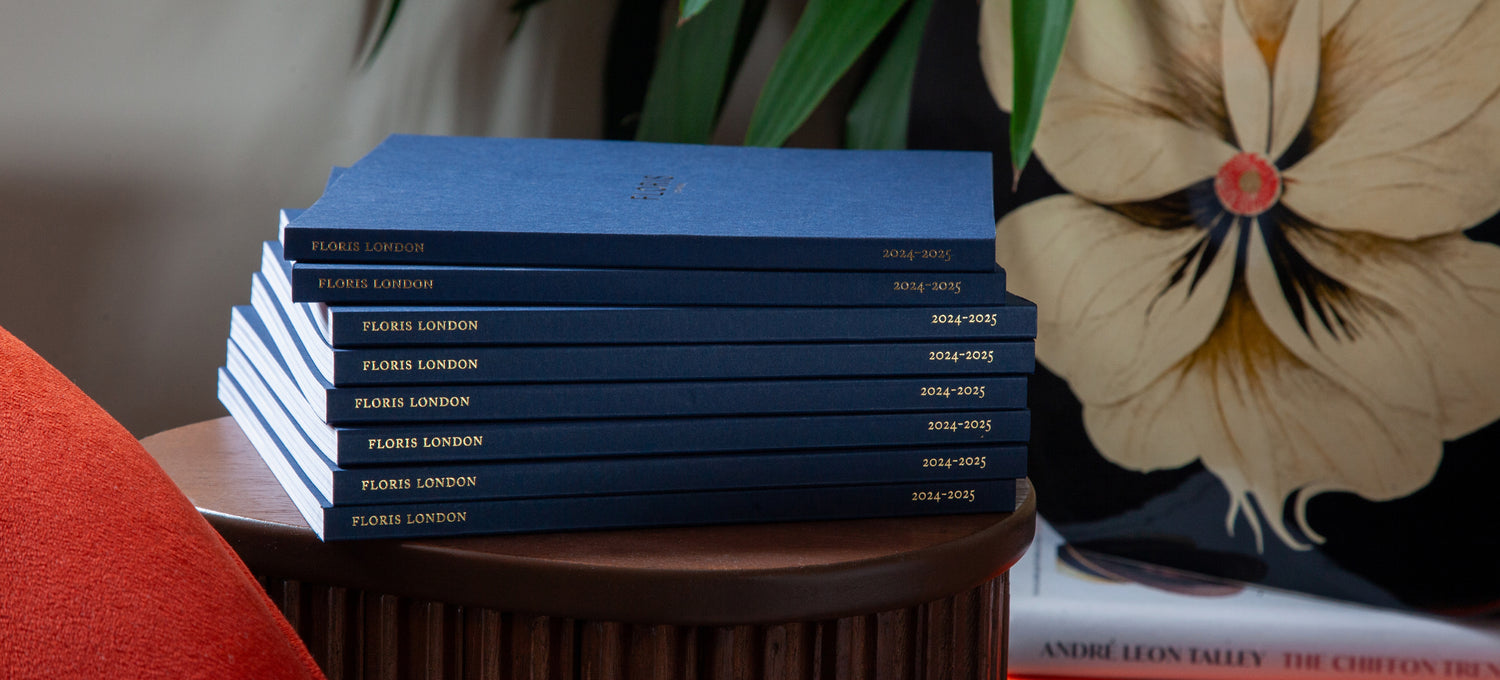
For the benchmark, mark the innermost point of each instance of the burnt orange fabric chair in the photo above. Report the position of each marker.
(106, 569)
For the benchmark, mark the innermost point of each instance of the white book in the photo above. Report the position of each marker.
(1074, 621)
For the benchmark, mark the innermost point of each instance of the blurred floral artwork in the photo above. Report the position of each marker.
(1260, 262)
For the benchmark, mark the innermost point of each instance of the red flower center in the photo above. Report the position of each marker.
(1248, 184)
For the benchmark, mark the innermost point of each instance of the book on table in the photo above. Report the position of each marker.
(1076, 613)
(360, 325)
(485, 440)
(471, 440)
(420, 364)
(524, 477)
(477, 336)
(598, 511)
(519, 401)
(592, 203)
(398, 284)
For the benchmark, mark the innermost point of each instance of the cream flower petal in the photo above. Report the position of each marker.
(1266, 19)
(1129, 115)
(1111, 319)
(1348, 334)
(1247, 82)
(1442, 186)
(1369, 46)
(1425, 325)
(1333, 13)
(1295, 86)
(1421, 154)
(1267, 425)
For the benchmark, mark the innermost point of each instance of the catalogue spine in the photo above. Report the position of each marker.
(656, 474)
(459, 247)
(436, 365)
(419, 403)
(357, 326)
(398, 444)
(399, 284)
(252, 404)
(412, 520)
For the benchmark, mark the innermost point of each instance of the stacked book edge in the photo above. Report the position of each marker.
(397, 391)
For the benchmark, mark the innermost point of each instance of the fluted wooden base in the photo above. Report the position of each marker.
(360, 634)
(914, 597)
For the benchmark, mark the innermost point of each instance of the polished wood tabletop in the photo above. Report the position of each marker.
(718, 575)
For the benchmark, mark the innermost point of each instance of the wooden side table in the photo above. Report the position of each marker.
(880, 598)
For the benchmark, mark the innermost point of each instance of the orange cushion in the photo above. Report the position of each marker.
(106, 570)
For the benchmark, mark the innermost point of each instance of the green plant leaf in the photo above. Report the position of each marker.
(750, 20)
(521, 8)
(687, 9)
(682, 99)
(828, 38)
(1039, 28)
(635, 34)
(877, 119)
(385, 31)
(518, 8)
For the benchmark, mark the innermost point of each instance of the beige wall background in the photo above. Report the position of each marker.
(145, 148)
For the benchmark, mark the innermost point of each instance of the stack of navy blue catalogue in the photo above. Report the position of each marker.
(470, 335)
